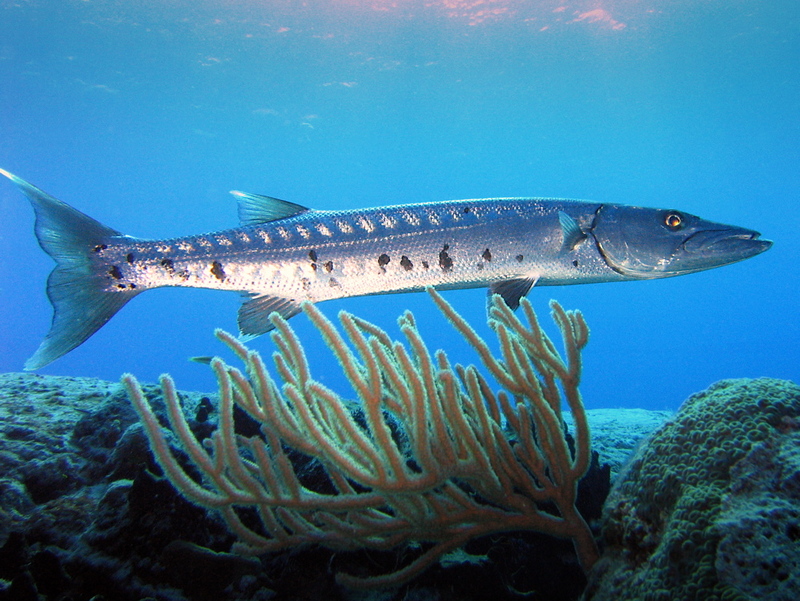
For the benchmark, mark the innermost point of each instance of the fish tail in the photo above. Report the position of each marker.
(81, 304)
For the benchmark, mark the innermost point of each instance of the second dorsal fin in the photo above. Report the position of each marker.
(255, 209)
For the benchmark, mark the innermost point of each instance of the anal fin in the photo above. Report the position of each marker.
(255, 311)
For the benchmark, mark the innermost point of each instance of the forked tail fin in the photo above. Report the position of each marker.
(81, 304)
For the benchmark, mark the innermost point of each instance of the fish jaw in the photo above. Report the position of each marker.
(726, 246)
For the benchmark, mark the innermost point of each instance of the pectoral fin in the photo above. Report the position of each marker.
(571, 231)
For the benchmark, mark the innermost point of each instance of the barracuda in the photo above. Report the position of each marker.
(284, 254)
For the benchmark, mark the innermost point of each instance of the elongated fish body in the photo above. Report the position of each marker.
(284, 254)
(322, 255)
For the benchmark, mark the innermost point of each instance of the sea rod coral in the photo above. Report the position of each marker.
(429, 453)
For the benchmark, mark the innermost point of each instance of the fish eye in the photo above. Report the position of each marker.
(674, 221)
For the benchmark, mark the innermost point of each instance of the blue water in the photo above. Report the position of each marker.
(144, 114)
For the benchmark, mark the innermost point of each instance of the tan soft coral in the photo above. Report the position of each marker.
(429, 453)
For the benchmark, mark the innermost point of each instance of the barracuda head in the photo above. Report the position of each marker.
(656, 243)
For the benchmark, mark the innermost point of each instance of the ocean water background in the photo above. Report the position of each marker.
(145, 114)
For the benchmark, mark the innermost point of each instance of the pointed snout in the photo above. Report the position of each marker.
(726, 245)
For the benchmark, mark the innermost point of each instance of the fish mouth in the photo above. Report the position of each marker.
(726, 245)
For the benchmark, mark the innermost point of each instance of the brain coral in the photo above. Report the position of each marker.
(709, 508)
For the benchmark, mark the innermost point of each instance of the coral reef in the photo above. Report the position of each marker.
(759, 524)
(617, 433)
(118, 532)
(81, 515)
(709, 507)
(101, 524)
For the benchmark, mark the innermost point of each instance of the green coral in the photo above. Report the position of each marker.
(660, 521)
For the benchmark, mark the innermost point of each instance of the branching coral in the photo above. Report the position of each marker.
(430, 454)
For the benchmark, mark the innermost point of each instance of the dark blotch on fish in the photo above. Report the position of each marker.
(575, 262)
(487, 255)
(312, 254)
(115, 273)
(383, 261)
(333, 283)
(406, 263)
(306, 284)
(129, 258)
(425, 265)
(217, 271)
(100, 247)
(329, 266)
(445, 262)
(168, 265)
(467, 209)
(519, 258)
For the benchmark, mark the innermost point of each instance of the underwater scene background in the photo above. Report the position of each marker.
(145, 114)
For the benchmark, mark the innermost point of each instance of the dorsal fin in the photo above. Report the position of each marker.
(255, 209)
